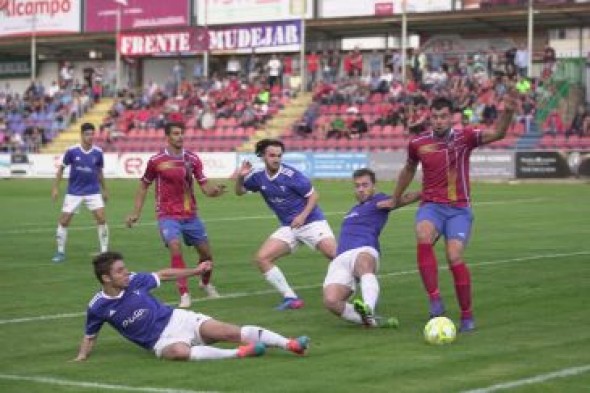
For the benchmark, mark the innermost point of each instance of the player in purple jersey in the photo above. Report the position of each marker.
(357, 260)
(446, 205)
(85, 185)
(125, 303)
(291, 196)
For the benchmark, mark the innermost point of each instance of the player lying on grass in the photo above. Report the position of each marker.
(125, 303)
(357, 259)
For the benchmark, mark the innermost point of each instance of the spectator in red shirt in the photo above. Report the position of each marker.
(313, 64)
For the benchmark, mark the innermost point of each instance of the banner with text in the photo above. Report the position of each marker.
(223, 12)
(162, 43)
(339, 8)
(101, 15)
(44, 17)
(284, 36)
(552, 164)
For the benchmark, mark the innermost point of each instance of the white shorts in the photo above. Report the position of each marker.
(184, 327)
(72, 202)
(310, 234)
(341, 269)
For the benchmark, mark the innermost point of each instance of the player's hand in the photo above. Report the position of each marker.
(131, 220)
(298, 222)
(245, 168)
(105, 195)
(388, 204)
(220, 189)
(203, 267)
(54, 193)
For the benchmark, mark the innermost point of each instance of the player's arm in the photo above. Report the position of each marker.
(312, 201)
(243, 171)
(213, 190)
(170, 274)
(58, 176)
(85, 348)
(138, 204)
(499, 131)
(103, 185)
(404, 179)
(406, 199)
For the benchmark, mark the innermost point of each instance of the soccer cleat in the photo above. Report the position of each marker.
(364, 311)
(290, 303)
(467, 325)
(437, 308)
(298, 345)
(210, 290)
(58, 257)
(252, 349)
(185, 300)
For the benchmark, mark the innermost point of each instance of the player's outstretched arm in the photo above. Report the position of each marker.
(404, 179)
(213, 190)
(406, 199)
(499, 131)
(85, 348)
(138, 204)
(170, 274)
(243, 171)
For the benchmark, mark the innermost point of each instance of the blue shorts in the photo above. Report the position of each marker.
(192, 230)
(449, 221)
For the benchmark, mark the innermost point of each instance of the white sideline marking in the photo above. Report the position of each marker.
(95, 385)
(566, 372)
(270, 291)
(245, 218)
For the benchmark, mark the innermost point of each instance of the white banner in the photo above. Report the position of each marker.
(339, 8)
(4, 165)
(45, 17)
(46, 165)
(225, 12)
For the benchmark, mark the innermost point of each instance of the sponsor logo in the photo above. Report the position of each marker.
(136, 316)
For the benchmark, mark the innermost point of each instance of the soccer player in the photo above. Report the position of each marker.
(125, 303)
(85, 185)
(446, 204)
(174, 170)
(358, 253)
(291, 196)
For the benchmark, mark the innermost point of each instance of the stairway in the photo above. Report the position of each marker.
(71, 135)
(282, 121)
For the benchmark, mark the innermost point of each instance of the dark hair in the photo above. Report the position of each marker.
(365, 172)
(168, 127)
(264, 143)
(103, 263)
(87, 127)
(440, 103)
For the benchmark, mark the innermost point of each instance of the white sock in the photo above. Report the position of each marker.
(254, 334)
(276, 278)
(370, 290)
(61, 237)
(350, 315)
(204, 352)
(103, 237)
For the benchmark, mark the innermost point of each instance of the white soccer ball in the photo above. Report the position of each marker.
(440, 330)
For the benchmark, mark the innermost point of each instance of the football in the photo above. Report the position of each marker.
(440, 330)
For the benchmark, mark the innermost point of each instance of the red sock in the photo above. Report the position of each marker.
(206, 277)
(462, 280)
(178, 263)
(428, 270)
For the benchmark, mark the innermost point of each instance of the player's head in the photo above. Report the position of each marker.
(174, 132)
(364, 181)
(271, 151)
(87, 133)
(110, 269)
(441, 115)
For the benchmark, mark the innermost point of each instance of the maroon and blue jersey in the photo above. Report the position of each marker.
(363, 224)
(285, 193)
(445, 164)
(85, 167)
(135, 313)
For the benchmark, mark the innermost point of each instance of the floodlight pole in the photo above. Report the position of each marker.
(117, 50)
(404, 41)
(530, 39)
(206, 54)
(34, 47)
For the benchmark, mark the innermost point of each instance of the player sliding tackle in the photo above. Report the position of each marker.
(358, 253)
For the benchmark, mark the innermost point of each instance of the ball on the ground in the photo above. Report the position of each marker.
(440, 330)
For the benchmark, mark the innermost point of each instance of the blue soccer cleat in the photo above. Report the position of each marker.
(298, 345)
(437, 308)
(467, 325)
(290, 303)
(58, 257)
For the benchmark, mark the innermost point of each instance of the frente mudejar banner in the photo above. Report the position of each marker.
(164, 42)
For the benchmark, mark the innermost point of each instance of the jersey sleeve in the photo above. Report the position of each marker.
(100, 161)
(93, 323)
(473, 137)
(144, 280)
(67, 158)
(413, 157)
(302, 185)
(250, 183)
(150, 173)
(198, 172)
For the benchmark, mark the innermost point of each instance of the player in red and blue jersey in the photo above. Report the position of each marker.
(125, 302)
(174, 170)
(446, 204)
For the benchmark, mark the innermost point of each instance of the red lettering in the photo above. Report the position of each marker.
(132, 166)
(19, 8)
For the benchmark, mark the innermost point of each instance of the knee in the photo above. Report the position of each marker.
(263, 261)
(331, 303)
(176, 352)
